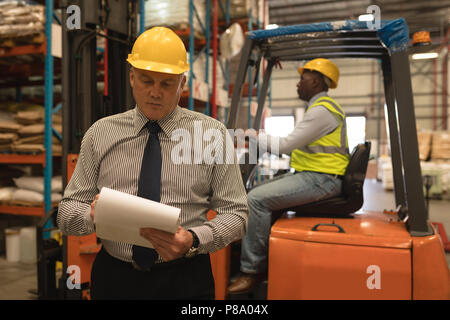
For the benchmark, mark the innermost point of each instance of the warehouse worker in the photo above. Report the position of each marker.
(319, 155)
(132, 152)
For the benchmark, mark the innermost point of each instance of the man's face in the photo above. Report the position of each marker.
(306, 85)
(156, 94)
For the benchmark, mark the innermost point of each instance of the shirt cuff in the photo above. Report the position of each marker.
(88, 220)
(205, 237)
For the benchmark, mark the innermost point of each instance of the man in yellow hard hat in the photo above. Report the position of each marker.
(319, 154)
(136, 152)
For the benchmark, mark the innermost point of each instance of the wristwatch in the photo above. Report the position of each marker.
(194, 248)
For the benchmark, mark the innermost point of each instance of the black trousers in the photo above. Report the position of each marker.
(185, 278)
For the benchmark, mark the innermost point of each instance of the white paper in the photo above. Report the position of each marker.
(119, 216)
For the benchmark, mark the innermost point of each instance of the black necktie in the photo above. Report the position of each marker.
(149, 187)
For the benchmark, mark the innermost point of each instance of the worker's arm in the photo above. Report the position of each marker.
(317, 122)
(74, 212)
(228, 200)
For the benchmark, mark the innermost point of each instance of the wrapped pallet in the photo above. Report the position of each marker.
(199, 69)
(440, 145)
(174, 14)
(241, 9)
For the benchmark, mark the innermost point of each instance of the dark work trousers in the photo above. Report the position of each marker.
(185, 278)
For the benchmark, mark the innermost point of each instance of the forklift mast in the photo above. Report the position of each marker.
(83, 104)
(350, 39)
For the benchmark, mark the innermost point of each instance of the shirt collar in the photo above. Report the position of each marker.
(167, 124)
(317, 96)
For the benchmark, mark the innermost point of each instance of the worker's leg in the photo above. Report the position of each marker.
(287, 192)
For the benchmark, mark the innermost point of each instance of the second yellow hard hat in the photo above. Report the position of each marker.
(325, 67)
(159, 49)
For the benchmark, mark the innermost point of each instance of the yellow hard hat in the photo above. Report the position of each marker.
(325, 67)
(159, 49)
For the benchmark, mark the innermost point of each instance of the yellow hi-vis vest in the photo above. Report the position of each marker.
(329, 154)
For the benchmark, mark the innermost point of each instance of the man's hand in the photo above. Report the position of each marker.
(169, 246)
(93, 206)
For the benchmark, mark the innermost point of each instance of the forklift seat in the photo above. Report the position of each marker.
(351, 198)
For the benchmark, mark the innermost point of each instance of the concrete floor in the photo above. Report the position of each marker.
(17, 279)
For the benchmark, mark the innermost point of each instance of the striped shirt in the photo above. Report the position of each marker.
(111, 155)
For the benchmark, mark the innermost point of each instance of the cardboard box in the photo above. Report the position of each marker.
(440, 145)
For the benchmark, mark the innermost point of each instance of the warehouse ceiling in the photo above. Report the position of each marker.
(429, 15)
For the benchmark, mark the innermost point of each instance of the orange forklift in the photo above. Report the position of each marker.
(329, 249)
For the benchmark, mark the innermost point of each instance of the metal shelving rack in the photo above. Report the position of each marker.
(209, 47)
(45, 159)
(206, 31)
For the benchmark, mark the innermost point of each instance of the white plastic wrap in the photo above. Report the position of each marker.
(174, 13)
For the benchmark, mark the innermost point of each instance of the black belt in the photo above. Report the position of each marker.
(158, 265)
(336, 176)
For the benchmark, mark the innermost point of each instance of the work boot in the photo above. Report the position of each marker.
(244, 283)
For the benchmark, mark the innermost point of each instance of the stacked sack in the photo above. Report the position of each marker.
(8, 134)
(23, 131)
(7, 186)
(31, 134)
(29, 191)
(17, 18)
(9, 128)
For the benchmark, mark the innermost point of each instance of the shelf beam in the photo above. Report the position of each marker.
(23, 50)
(22, 210)
(23, 158)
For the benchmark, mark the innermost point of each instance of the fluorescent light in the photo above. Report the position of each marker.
(366, 17)
(427, 55)
(271, 26)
